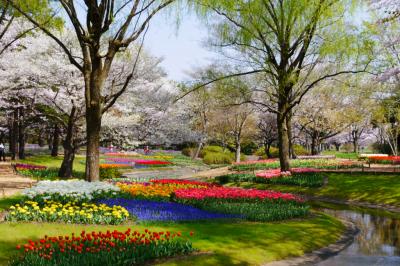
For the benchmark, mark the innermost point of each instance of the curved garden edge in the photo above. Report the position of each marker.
(324, 253)
(383, 207)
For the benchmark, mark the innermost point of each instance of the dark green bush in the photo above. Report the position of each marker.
(188, 152)
(249, 147)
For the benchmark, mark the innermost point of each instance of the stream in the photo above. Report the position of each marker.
(378, 242)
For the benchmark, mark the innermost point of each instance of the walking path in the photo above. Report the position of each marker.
(178, 173)
(10, 182)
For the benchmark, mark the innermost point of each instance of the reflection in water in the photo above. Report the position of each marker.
(376, 244)
(378, 235)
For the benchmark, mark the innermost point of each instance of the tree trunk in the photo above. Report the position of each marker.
(93, 125)
(238, 148)
(21, 136)
(14, 135)
(95, 74)
(69, 148)
(67, 163)
(292, 154)
(56, 141)
(267, 149)
(283, 139)
(40, 138)
(314, 145)
(355, 145)
(337, 146)
(196, 154)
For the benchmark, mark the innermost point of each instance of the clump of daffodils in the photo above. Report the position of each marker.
(71, 212)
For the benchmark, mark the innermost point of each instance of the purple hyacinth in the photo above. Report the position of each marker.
(164, 211)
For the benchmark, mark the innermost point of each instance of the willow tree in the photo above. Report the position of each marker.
(284, 42)
(103, 28)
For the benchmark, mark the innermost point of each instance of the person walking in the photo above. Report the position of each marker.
(2, 152)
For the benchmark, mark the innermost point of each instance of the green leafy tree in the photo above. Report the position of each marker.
(283, 42)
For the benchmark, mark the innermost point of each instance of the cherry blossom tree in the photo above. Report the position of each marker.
(102, 28)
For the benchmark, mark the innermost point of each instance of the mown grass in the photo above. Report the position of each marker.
(364, 187)
(342, 155)
(224, 243)
(55, 162)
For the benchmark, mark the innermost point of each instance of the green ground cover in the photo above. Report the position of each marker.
(54, 162)
(225, 243)
(365, 187)
(341, 154)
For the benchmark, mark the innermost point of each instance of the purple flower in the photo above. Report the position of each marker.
(164, 211)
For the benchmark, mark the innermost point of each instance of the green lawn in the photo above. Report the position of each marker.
(55, 162)
(225, 243)
(341, 154)
(367, 187)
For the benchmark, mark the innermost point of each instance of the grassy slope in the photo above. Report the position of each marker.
(341, 155)
(55, 162)
(229, 243)
(368, 187)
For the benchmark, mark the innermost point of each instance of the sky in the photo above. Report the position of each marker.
(181, 46)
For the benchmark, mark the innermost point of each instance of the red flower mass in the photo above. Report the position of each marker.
(231, 193)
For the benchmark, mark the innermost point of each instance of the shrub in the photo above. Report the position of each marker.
(249, 147)
(103, 248)
(109, 173)
(211, 149)
(260, 151)
(273, 151)
(299, 150)
(218, 158)
(188, 152)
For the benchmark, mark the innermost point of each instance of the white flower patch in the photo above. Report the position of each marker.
(78, 189)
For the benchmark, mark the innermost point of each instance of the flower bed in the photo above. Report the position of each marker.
(232, 194)
(255, 162)
(319, 163)
(251, 204)
(154, 191)
(72, 190)
(307, 177)
(47, 174)
(137, 161)
(115, 165)
(98, 248)
(273, 173)
(181, 182)
(164, 211)
(20, 166)
(384, 159)
(264, 211)
(52, 211)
